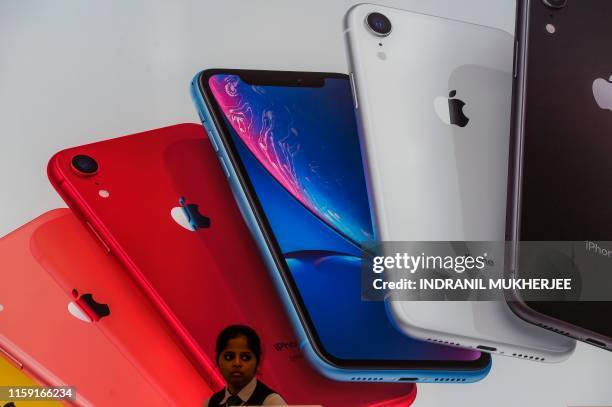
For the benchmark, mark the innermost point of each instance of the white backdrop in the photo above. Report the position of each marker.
(73, 72)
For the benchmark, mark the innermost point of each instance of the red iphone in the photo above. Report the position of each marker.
(70, 316)
(159, 201)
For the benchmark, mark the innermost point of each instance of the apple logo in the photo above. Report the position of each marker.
(602, 90)
(450, 110)
(189, 216)
(86, 308)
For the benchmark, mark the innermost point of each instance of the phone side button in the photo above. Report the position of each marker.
(104, 245)
(202, 118)
(225, 169)
(515, 62)
(210, 136)
(353, 90)
(11, 359)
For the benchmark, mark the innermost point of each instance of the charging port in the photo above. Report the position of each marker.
(596, 343)
(408, 379)
(486, 348)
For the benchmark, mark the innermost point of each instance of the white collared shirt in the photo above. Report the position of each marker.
(273, 399)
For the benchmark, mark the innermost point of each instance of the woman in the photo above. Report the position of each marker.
(238, 353)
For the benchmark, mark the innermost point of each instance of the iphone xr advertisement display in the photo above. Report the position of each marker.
(211, 209)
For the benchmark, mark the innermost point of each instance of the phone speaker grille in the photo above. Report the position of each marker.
(550, 328)
(366, 379)
(529, 357)
(448, 379)
(444, 342)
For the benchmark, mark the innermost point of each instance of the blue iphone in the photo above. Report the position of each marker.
(289, 145)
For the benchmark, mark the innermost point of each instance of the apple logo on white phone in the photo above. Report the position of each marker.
(602, 90)
(189, 216)
(450, 109)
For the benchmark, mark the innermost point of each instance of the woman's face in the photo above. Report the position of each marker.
(237, 363)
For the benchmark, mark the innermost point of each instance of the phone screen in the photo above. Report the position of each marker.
(297, 147)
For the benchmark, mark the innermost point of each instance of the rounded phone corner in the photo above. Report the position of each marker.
(54, 172)
(353, 13)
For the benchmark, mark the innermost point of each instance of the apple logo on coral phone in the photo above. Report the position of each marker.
(602, 91)
(450, 109)
(189, 216)
(86, 309)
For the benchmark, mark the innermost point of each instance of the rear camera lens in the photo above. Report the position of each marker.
(84, 165)
(378, 24)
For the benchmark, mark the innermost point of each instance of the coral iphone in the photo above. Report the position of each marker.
(72, 317)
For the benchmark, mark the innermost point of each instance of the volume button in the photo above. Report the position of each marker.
(225, 168)
(210, 136)
(12, 359)
(515, 61)
(353, 90)
(104, 245)
(202, 118)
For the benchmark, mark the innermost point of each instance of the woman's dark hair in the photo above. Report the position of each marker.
(236, 331)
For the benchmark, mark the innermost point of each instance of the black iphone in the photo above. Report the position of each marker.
(561, 156)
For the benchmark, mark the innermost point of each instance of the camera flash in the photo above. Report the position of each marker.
(104, 193)
(1, 307)
(550, 28)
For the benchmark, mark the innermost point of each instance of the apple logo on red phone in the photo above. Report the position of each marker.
(189, 216)
(86, 309)
(450, 109)
(602, 91)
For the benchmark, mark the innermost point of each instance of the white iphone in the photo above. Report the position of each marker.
(433, 96)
